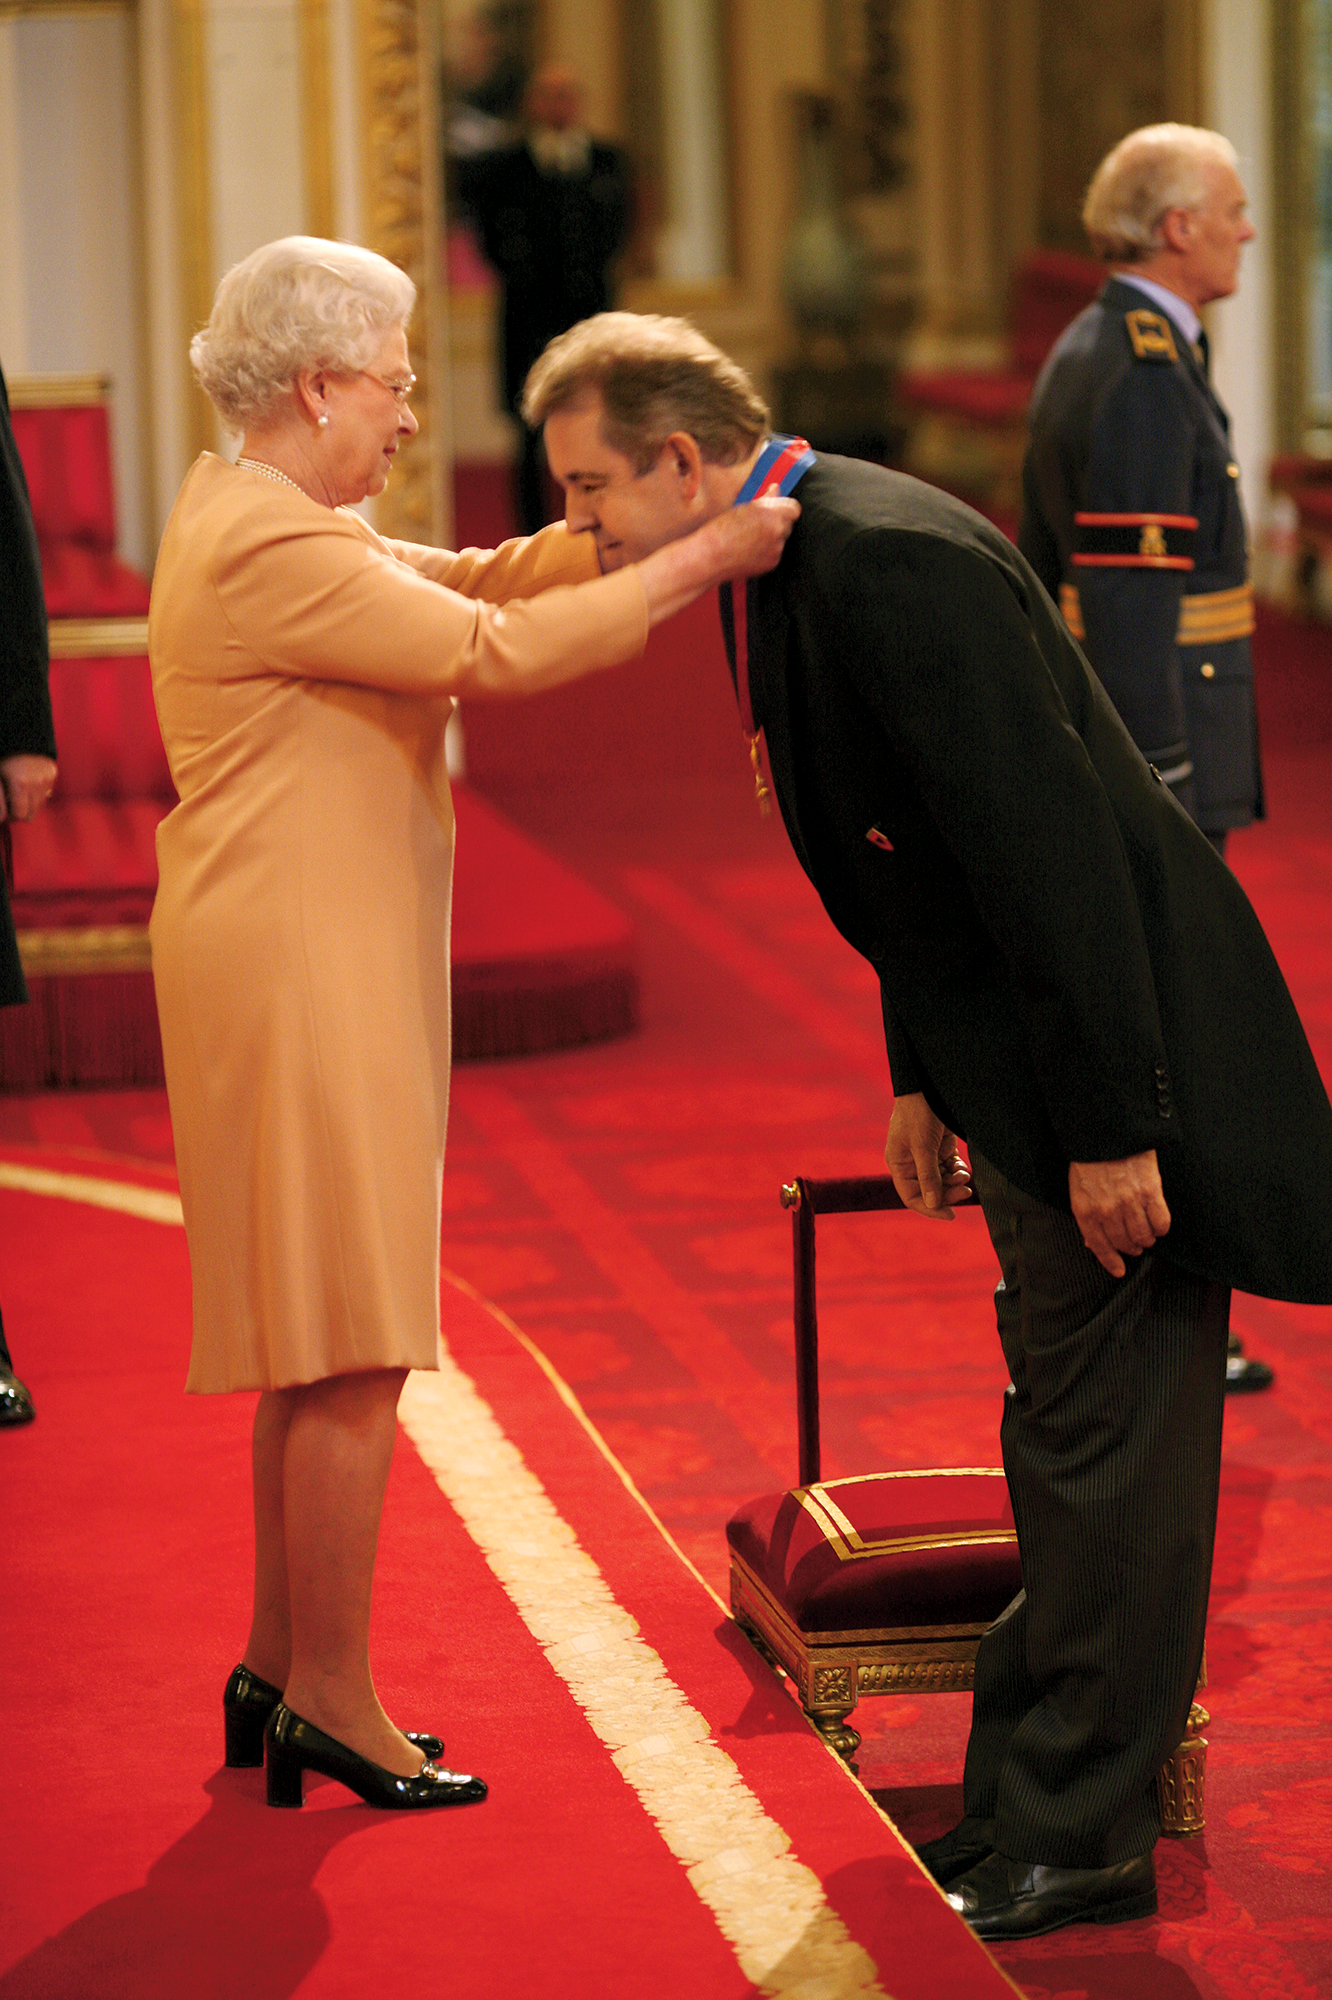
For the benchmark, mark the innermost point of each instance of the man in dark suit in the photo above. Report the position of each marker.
(1131, 507)
(1073, 981)
(552, 213)
(27, 748)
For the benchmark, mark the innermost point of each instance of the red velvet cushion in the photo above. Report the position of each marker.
(89, 861)
(66, 457)
(81, 582)
(885, 1551)
(1050, 289)
(107, 740)
(981, 396)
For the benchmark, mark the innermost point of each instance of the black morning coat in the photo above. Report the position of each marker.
(1069, 971)
(25, 700)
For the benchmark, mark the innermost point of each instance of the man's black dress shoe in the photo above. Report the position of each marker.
(1000, 1898)
(952, 1854)
(1244, 1375)
(295, 1746)
(15, 1401)
(247, 1703)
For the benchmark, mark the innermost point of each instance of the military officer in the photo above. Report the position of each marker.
(1131, 507)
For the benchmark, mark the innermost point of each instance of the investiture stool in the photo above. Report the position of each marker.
(1131, 506)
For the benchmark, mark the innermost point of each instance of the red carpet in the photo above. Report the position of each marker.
(138, 1867)
(621, 1203)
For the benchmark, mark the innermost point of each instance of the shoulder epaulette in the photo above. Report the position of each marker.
(1152, 335)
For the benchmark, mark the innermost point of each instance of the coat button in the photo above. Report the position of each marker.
(1208, 671)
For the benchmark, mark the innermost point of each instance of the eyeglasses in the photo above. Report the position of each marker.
(399, 391)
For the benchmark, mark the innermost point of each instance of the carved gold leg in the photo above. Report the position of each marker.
(837, 1735)
(828, 1700)
(1181, 1782)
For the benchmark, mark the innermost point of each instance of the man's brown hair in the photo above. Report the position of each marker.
(654, 376)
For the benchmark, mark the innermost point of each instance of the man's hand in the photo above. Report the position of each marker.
(25, 785)
(923, 1160)
(1119, 1206)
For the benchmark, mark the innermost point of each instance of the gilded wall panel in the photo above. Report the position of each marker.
(1102, 72)
(402, 222)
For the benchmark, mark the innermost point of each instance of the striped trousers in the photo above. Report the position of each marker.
(1112, 1450)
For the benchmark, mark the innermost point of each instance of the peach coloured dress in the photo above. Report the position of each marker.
(302, 669)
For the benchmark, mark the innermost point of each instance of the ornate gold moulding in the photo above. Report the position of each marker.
(59, 392)
(97, 638)
(104, 948)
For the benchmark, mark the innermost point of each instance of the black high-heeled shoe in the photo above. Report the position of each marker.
(247, 1703)
(295, 1746)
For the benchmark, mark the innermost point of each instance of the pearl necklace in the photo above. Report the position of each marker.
(270, 472)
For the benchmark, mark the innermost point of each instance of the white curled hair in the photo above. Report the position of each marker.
(1155, 169)
(299, 303)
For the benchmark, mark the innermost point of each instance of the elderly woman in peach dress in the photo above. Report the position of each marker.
(304, 670)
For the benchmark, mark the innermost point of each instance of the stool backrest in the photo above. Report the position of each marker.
(62, 431)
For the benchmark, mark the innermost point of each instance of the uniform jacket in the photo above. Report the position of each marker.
(25, 700)
(1131, 499)
(552, 238)
(1069, 971)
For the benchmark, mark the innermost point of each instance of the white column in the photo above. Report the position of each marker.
(692, 248)
(1239, 103)
(13, 257)
(252, 50)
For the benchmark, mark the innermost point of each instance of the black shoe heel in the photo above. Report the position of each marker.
(295, 1746)
(247, 1703)
(245, 1741)
(285, 1778)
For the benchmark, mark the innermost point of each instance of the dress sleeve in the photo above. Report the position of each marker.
(519, 568)
(941, 649)
(315, 598)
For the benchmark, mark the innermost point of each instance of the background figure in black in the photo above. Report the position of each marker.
(1131, 509)
(27, 747)
(552, 214)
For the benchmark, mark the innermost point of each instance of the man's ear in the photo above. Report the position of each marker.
(1177, 229)
(686, 461)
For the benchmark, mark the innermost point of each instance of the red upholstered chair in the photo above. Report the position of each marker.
(971, 422)
(884, 1583)
(85, 870)
(62, 429)
(1307, 481)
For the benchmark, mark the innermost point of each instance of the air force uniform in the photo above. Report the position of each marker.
(1132, 520)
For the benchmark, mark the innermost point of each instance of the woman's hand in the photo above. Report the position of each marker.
(748, 540)
(740, 541)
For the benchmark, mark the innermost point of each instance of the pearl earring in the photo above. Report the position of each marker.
(323, 421)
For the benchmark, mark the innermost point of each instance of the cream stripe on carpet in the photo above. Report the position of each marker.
(149, 1204)
(769, 1906)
